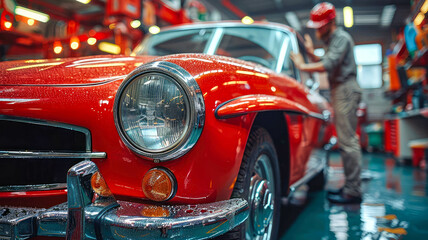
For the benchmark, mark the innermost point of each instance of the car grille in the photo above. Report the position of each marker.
(24, 135)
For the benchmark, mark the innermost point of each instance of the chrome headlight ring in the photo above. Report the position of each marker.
(192, 104)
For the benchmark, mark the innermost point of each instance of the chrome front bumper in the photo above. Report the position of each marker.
(88, 216)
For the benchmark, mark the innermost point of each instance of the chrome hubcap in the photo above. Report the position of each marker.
(261, 200)
(262, 206)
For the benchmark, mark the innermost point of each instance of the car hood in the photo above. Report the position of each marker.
(69, 71)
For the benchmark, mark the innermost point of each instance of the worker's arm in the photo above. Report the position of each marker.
(309, 46)
(307, 67)
(339, 47)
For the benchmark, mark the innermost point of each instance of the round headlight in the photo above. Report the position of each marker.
(154, 112)
(158, 111)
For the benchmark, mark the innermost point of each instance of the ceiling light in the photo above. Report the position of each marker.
(74, 43)
(30, 22)
(29, 13)
(7, 25)
(387, 15)
(247, 20)
(109, 47)
(57, 47)
(424, 8)
(293, 20)
(135, 23)
(419, 18)
(84, 1)
(91, 41)
(348, 17)
(154, 29)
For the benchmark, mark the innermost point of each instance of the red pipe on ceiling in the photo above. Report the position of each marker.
(238, 12)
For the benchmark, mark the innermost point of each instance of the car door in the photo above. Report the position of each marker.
(304, 130)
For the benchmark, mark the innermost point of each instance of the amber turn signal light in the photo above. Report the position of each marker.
(159, 184)
(99, 185)
(155, 211)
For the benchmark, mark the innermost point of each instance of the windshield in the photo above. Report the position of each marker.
(267, 47)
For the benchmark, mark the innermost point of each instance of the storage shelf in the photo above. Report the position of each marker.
(400, 93)
(421, 59)
(408, 114)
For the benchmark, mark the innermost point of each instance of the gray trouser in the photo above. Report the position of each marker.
(345, 99)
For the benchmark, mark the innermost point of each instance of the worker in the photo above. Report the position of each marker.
(338, 61)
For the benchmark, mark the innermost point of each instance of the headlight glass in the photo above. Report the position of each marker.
(154, 112)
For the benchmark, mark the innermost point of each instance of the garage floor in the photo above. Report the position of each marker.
(395, 205)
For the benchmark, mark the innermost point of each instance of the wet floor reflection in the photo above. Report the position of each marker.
(395, 206)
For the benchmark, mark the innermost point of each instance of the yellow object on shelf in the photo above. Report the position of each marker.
(394, 79)
(422, 37)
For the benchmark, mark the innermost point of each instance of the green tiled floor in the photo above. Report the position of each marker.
(395, 206)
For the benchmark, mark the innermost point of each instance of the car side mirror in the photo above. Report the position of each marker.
(312, 85)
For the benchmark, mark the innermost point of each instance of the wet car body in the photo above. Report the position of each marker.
(230, 98)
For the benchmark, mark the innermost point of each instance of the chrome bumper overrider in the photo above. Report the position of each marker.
(88, 216)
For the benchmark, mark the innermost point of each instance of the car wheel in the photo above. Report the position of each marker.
(258, 181)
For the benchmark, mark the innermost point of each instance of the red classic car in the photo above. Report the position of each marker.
(199, 133)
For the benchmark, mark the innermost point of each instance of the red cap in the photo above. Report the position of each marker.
(321, 14)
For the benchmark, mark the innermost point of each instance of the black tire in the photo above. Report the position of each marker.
(258, 156)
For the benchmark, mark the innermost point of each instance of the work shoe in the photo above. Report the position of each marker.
(343, 198)
(335, 191)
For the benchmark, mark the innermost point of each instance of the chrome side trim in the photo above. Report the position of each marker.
(316, 164)
(196, 102)
(317, 116)
(327, 115)
(308, 176)
(40, 187)
(331, 143)
(290, 111)
(55, 155)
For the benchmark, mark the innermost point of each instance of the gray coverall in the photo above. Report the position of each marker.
(340, 64)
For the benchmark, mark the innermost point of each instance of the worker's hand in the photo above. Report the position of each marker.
(297, 59)
(309, 44)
